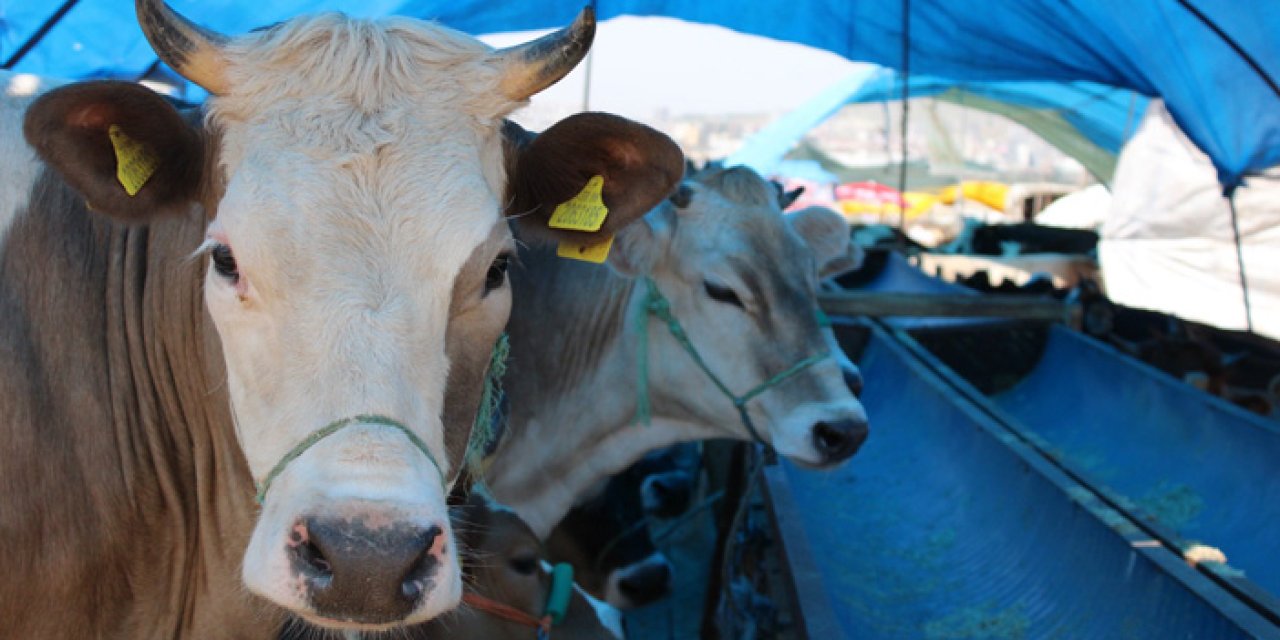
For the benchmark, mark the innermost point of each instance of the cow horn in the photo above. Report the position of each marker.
(191, 50)
(534, 66)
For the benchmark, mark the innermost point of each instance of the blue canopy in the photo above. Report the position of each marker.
(1213, 61)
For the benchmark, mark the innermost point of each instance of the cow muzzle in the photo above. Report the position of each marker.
(354, 571)
(354, 533)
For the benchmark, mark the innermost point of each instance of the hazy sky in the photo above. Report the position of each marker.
(643, 64)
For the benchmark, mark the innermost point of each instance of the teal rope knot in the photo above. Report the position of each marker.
(334, 427)
(658, 305)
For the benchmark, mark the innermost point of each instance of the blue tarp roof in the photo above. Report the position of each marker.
(1213, 61)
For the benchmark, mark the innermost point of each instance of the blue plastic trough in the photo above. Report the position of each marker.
(1196, 467)
(948, 525)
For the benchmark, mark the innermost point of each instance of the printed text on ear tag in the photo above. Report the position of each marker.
(596, 252)
(585, 212)
(134, 162)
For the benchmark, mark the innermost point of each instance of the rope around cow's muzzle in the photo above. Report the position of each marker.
(481, 428)
(657, 305)
(334, 427)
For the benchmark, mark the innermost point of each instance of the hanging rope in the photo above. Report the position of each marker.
(1244, 282)
(906, 113)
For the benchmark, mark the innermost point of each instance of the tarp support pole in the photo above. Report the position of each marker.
(906, 100)
(39, 34)
(1244, 282)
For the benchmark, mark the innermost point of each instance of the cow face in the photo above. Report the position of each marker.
(352, 175)
(742, 279)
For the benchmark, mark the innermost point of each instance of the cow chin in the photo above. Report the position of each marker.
(367, 548)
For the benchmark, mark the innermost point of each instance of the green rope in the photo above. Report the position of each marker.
(658, 305)
(644, 412)
(334, 427)
(482, 431)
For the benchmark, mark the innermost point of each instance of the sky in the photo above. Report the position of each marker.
(641, 65)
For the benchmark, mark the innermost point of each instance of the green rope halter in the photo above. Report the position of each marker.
(334, 427)
(658, 305)
(481, 429)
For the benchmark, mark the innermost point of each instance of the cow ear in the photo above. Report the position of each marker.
(638, 167)
(108, 139)
(827, 235)
(788, 198)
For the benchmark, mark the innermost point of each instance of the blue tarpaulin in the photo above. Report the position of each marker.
(1213, 61)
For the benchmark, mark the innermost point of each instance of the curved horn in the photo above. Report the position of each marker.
(534, 66)
(192, 51)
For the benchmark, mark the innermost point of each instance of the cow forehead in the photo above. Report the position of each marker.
(717, 226)
(337, 130)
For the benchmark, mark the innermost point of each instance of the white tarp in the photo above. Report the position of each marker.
(1167, 244)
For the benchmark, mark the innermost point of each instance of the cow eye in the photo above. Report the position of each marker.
(724, 294)
(497, 275)
(524, 564)
(225, 263)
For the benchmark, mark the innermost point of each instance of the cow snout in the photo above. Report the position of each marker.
(645, 582)
(667, 494)
(366, 574)
(838, 440)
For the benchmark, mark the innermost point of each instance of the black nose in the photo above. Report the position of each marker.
(667, 495)
(360, 574)
(646, 583)
(838, 440)
(853, 380)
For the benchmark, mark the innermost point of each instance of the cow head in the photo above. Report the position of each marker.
(742, 280)
(353, 178)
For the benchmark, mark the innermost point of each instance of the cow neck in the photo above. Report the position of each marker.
(571, 388)
(169, 391)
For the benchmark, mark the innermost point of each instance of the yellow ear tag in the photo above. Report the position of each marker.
(585, 212)
(134, 162)
(596, 252)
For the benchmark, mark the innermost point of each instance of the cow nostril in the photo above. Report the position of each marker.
(838, 440)
(646, 583)
(415, 580)
(313, 563)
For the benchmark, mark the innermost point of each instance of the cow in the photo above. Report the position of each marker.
(606, 536)
(288, 298)
(741, 280)
(507, 587)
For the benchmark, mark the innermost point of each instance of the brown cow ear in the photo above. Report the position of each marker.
(638, 167)
(109, 138)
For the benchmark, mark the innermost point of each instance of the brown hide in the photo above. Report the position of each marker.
(123, 481)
